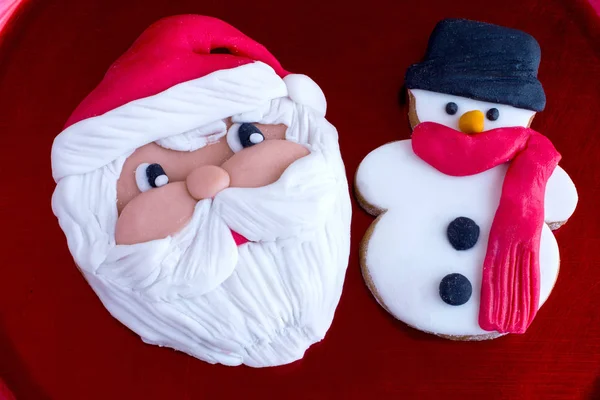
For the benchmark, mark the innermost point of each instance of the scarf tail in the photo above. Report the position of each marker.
(510, 291)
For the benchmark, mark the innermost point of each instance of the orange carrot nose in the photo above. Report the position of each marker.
(471, 122)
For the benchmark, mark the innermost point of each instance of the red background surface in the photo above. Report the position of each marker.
(56, 339)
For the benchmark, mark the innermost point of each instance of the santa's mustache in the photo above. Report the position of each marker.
(188, 263)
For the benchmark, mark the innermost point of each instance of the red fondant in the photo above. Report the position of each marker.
(239, 239)
(171, 51)
(510, 289)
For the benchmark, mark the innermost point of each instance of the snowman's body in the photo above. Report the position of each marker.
(408, 252)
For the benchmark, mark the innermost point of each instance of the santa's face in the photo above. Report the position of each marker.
(159, 188)
(464, 114)
(212, 217)
(167, 259)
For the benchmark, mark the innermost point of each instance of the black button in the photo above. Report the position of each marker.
(463, 233)
(455, 289)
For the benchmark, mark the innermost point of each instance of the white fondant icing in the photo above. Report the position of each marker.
(195, 138)
(431, 107)
(256, 138)
(260, 304)
(161, 180)
(561, 197)
(181, 108)
(303, 90)
(408, 252)
(233, 138)
(141, 179)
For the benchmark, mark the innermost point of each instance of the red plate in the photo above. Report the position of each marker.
(56, 339)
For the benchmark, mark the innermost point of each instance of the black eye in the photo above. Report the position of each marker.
(148, 176)
(493, 114)
(451, 108)
(156, 175)
(250, 135)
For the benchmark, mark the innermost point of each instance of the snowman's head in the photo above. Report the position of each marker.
(462, 113)
(476, 77)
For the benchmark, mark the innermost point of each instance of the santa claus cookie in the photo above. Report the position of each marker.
(462, 246)
(203, 196)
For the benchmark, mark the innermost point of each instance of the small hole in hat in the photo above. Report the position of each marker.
(220, 50)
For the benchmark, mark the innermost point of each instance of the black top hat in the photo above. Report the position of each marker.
(481, 61)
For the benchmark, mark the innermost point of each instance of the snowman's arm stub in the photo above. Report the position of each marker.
(379, 183)
(560, 199)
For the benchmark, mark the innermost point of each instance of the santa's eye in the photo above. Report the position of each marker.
(493, 114)
(148, 176)
(241, 136)
(250, 135)
(451, 108)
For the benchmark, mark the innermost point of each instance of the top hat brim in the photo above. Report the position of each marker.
(514, 90)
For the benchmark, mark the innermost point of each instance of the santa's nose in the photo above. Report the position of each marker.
(206, 181)
(471, 122)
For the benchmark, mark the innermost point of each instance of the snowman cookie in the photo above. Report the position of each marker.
(462, 246)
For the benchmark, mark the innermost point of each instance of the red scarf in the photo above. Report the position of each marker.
(510, 289)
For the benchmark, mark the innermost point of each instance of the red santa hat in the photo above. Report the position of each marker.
(188, 70)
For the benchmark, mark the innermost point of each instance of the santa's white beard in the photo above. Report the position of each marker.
(279, 299)
(262, 303)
